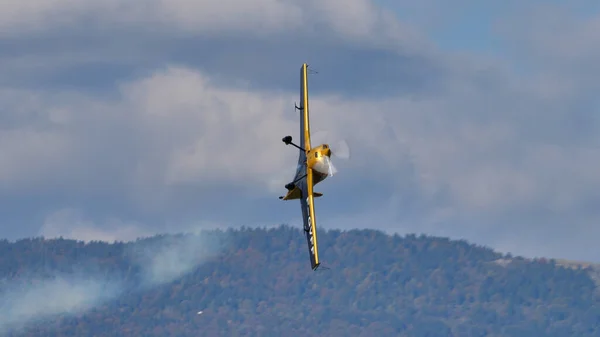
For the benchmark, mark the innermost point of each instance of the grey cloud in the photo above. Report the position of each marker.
(344, 66)
(348, 19)
(558, 43)
(359, 47)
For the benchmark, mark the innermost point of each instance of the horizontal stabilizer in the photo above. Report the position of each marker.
(295, 193)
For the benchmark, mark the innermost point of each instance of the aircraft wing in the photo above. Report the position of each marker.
(308, 208)
(299, 192)
(309, 219)
(304, 113)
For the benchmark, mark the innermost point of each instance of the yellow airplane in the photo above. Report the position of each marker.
(314, 166)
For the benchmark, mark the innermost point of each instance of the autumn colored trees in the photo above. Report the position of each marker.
(259, 283)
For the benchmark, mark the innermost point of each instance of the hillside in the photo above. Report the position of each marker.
(258, 282)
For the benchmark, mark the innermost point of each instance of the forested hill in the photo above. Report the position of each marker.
(258, 282)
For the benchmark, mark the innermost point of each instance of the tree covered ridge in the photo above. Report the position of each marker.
(258, 282)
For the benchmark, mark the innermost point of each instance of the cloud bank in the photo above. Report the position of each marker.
(147, 118)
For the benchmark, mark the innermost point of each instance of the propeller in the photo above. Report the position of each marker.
(339, 150)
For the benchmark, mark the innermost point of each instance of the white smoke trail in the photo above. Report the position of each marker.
(173, 257)
(29, 301)
(32, 299)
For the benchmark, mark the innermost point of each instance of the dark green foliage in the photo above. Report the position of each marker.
(261, 285)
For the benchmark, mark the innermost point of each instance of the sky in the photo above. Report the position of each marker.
(470, 120)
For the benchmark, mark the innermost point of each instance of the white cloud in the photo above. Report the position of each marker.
(176, 128)
(171, 128)
(210, 133)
